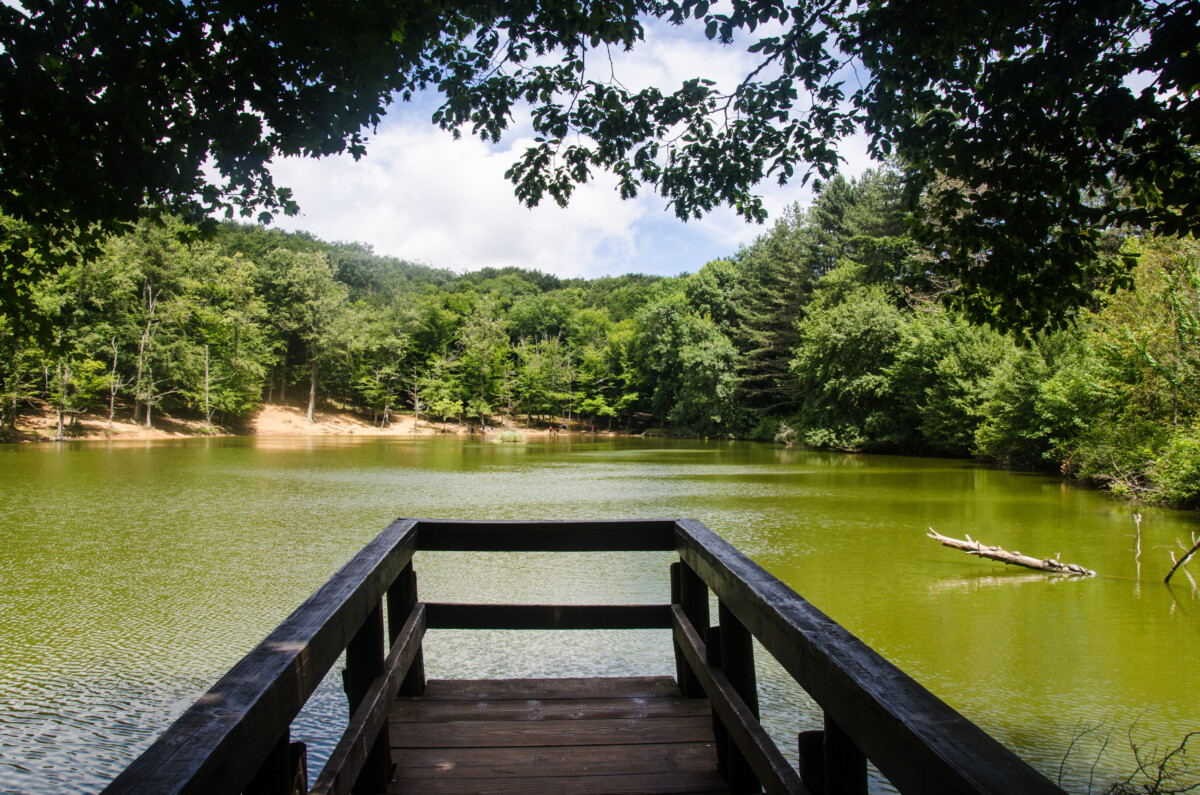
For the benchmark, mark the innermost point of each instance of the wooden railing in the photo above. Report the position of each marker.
(236, 738)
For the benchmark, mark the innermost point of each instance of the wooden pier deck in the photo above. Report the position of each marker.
(568, 736)
(696, 732)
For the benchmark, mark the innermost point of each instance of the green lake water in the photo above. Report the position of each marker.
(133, 575)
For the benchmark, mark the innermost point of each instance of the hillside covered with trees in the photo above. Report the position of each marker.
(826, 331)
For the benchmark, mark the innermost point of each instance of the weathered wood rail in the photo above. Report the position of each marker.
(236, 738)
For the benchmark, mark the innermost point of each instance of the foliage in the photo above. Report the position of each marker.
(1176, 470)
(941, 370)
(686, 365)
(848, 341)
(870, 359)
(1029, 128)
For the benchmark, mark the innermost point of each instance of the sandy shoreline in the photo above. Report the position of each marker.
(40, 425)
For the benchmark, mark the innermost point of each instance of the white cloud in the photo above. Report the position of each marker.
(420, 195)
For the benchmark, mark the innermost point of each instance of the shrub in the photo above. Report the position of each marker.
(1176, 472)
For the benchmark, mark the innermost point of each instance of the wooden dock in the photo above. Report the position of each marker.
(553, 736)
(696, 732)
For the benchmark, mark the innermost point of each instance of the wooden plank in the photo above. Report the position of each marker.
(219, 743)
(636, 784)
(488, 734)
(564, 687)
(915, 739)
(759, 750)
(556, 536)
(594, 738)
(574, 760)
(492, 616)
(421, 711)
(350, 754)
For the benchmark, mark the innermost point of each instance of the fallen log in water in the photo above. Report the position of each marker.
(973, 547)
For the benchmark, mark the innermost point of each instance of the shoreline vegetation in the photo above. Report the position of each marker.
(832, 331)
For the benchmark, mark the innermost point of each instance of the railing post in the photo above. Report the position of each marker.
(401, 598)
(845, 765)
(737, 660)
(364, 662)
(283, 772)
(812, 760)
(691, 594)
(830, 762)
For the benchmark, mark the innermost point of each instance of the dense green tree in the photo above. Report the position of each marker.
(439, 388)
(537, 316)
(160, 313)
(17, 381)
(1032, 126)
(316, 309)
(483, 353)
(776, 275)
(688, 368)
(542, 375)
(940, 375)
(231, 325)
(381, 369)
(849, 340)
(1038, 399)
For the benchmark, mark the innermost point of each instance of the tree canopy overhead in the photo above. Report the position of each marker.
(1028, 127)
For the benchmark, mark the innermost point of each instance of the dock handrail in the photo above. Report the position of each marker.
(236, 738)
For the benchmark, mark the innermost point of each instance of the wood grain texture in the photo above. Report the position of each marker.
(549, 709)
(566, 761)
(552, 688)
(918, 742)
(370, 720)
(493, 616)
(739, 721)
(219, 743)
(620, 735)
(562, 536)
(915, 739)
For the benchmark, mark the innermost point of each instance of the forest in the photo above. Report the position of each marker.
(829, 330)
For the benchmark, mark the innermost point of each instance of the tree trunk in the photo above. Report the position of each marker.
(112, 385)
(149, 397)
(207, 409)
(312, 386)
(972, 547)
(143, 352)
(63, 379)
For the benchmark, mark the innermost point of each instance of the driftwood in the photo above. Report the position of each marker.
(972, 547)
(1195, 548)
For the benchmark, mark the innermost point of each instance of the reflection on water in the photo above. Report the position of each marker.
(133, 576)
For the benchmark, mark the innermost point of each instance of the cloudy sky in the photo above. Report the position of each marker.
(421, 195)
